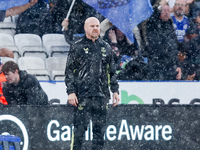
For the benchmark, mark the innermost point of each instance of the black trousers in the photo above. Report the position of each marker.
(94, 108)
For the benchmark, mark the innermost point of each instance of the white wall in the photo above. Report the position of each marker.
(146, 91)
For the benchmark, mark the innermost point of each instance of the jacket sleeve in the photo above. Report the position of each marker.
(7, 95)
(69, 71)
(68, 36)
(114, 86)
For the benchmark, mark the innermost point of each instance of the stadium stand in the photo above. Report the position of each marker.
(56, 67)
(8, 26)
(34, 51)
(22, 40)
(55, 44)
(59, 51)
(6, 40)
(35, 66)
(5, 59)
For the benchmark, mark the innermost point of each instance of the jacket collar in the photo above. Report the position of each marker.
(89, 40)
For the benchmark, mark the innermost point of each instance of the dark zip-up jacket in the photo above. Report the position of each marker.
(27, 92)
(87, 69)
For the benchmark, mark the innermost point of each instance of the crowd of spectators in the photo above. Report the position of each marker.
(166, 45)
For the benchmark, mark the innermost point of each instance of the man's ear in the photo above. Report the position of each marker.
(85, 28)
(16, 71)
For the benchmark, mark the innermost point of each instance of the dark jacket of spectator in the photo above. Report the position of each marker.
(188, 69)
(35, 20)
(27, 92)
(193, 50)
(162, 50)
(134, 70)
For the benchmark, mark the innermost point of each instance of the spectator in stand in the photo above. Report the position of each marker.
(36, 20)
(162, 49)
(16, 10)
(193, 53)
(196, 16)
(74, 25)
(192, 43)
(120, 44)
(182, 24)
(129, 61)
(22, 88)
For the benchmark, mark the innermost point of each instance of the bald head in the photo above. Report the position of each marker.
(89, 20)
(92, 28)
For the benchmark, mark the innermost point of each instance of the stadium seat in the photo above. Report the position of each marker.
(15, 18)
(6, 40)
(15, 51)
(59, 51)
(8, 31)
(8, 19)
(34, 66)
(54, 40)
(34, 51)
(8, 28)
(5, 59)
(56, 67)
(22, 40)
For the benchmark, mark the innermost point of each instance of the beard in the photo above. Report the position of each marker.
(95, 36)
(179, 14)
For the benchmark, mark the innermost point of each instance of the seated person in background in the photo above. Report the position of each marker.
(120, 44)
(16, 10)
(22, 88)
(162, 51)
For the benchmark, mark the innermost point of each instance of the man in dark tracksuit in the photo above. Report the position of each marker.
(22, 88)
(89, 62)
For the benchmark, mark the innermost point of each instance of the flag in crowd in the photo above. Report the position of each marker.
(6, 4)
(124, 14)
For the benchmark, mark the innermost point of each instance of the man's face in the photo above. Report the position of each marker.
(92, 28)
(180, 7)
(120, 35)
(11, 77)
(165, 13)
